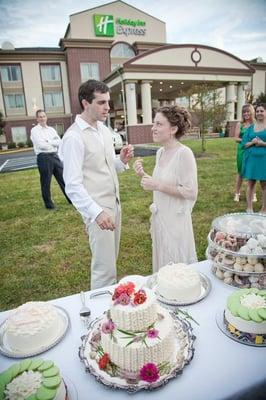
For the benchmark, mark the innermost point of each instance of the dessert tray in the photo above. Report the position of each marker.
(243, 338)
(205, 290)
(64, 323)
(241, 224)
(184, 354)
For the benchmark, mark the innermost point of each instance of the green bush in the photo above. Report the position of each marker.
(11, 145)
(21, 145)
(29, 143)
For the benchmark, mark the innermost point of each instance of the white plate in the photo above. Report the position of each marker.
(184, 342)
(64, 323)
(242, 338)
(205, 289)
(139, 280)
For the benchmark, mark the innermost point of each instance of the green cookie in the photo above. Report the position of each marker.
(45, 365)
(31, 397)
(6, 377)
(254, 315)
(48, 373)
(15, 370)
(52, 383)
(233, 304)
(262, 313)
(36, 363)
(243, 313)
(24, 365)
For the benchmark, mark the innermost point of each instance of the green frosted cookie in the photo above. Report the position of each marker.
(243, 313)
(31, 397)
(254, 315)
(233, 304)
(36, 363)
(45, 365)
(52, 383)
(15, 370)
(24, 365)
(262, 313)
(53, 371)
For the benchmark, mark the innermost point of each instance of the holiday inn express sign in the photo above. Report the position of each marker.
(108, 26)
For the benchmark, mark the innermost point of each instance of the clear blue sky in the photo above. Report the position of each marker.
(236, 26)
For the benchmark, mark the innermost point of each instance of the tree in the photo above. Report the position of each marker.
(261, 98)
(209, 109)
(2, 123)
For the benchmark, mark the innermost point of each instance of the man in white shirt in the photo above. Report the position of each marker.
(90, 174)
(45, 143)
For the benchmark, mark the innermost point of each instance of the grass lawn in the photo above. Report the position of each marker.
(44, 254)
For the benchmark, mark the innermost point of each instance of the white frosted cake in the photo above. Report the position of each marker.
(178, 282)
(32, 326)
(245, 314)
(137, 336)
(32, 379)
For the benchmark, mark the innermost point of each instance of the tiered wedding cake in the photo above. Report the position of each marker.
(33, 325)
(137, 335)
(33, 379)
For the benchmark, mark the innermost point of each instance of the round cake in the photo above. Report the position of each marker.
(32, 379)
(32, 326)
(245, 314)
(136, 337)
(179, 282)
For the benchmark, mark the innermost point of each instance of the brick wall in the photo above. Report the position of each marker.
(138, 134)
(29, 123)
(75, 56)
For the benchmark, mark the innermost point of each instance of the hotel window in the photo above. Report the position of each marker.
(19, 134)
(122, 50)
(50, 73)
(89, 71)
(53, 100)
(14, 101)
(11, 73)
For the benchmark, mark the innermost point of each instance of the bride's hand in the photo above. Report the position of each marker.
(138, 167)
(148, 183)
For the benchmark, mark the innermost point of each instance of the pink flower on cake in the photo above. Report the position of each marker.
(127, 288)
(108, 327)
(149, 373)
(140, 297)
(153, 333)
(123, 299)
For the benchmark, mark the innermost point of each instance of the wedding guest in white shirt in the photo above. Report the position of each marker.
(45, 143)
(90, 174)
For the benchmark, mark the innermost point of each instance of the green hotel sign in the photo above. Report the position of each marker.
(105, 25)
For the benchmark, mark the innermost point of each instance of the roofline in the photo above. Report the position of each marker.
(118, 1)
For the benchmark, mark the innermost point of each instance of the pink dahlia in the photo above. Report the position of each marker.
(153, 333)
(123, 299)
(149, 373)
(108, 327)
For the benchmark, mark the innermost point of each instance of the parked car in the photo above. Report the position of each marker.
(117, 139)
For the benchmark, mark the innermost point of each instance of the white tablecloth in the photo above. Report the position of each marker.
(220, 369)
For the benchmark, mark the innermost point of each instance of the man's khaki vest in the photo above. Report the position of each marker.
(99, 173)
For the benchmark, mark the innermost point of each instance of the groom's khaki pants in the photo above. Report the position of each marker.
(104, 251)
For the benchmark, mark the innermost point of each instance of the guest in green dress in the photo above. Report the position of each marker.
(248, 114)
(254, 158)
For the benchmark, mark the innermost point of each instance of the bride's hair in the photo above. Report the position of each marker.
(177, 116)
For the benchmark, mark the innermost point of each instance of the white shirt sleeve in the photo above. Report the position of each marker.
(188, 181)
(54, 140)
(72, 150)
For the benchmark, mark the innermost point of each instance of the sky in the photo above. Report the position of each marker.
(236, 26)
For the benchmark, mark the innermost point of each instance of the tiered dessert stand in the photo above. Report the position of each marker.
(237, 249)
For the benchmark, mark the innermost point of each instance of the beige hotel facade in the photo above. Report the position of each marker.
(126, 48)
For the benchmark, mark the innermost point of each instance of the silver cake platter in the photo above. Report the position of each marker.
(64, 324)
(184, 353)
(71, 389)
(239, 337)
(205, 290)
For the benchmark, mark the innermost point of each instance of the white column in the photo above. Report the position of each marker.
(131, 103)
(240, 100)
(230, 101)
(146, 102)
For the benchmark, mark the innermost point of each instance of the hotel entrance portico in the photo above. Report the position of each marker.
(165, 74)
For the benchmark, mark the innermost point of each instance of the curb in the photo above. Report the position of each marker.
(15, 151)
